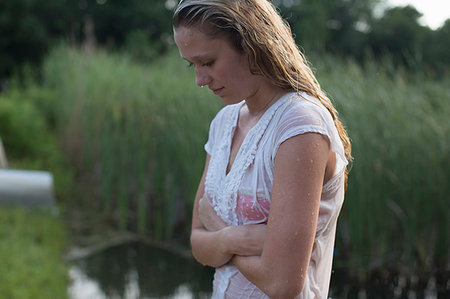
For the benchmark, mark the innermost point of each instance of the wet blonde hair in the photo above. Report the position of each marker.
(255, 27)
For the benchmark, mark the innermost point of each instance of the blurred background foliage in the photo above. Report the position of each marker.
(349, 28)
(95, 92)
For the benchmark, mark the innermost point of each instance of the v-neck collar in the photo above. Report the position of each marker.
(253, 135)
(223, 186)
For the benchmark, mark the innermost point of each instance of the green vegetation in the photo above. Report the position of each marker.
(137, 132)
(395, 214)
(133, 135)
(123, 134)
(27, 130)
(31, 252)
(33, 240)
(349, 28)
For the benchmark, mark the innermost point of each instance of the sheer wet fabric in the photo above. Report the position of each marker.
(243, 195)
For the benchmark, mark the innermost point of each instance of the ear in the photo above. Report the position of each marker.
(251, 61)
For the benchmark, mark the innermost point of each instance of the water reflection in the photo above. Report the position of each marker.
(138, 271)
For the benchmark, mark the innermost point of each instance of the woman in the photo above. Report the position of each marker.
(266, 208)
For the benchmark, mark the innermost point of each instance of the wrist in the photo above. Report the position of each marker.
(223, 240)
(227, 239)
(232, 238)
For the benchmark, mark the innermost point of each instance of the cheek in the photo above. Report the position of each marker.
(239, 71)
(242, 78)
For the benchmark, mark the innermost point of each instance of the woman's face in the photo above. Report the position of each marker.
(217, 64)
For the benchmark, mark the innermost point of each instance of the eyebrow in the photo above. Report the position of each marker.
(197, 57)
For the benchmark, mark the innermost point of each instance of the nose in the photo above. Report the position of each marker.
(201, 76)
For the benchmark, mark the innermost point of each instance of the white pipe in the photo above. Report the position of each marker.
(29, 187)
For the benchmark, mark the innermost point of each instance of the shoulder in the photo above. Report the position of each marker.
(301, 114)
(304, 113)
(305, 108)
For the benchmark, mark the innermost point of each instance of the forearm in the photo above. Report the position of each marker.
(252, 268)
(262, 275)
(215, 248)
(209, 248)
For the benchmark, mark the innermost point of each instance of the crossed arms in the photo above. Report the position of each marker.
(275, 256)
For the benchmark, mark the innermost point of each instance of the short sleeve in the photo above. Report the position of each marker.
(308, 116)
(214, 131)
(209, 144)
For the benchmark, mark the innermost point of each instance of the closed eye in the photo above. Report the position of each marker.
(209, 63)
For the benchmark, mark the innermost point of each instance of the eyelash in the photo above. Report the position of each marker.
(204, 64)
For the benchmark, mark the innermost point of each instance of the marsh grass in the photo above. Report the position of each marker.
(395, 214)
(135, 134)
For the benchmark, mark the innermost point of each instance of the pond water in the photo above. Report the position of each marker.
(137, 270)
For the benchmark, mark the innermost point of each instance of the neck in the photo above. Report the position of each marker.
(257, 111)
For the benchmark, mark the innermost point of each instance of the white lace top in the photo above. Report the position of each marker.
(243, 195)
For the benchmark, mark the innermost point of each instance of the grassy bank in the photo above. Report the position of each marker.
(134, 136)
(31, 252)
(33, 240)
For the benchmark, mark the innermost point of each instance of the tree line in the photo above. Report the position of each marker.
(348, 28)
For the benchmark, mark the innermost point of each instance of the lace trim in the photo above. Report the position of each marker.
(218, 164)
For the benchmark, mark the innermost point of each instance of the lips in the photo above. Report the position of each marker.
(217, 91)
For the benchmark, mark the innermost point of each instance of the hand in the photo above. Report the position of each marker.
(246, 240)
(208, 216)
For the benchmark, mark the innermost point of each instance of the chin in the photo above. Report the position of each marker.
(230, 100)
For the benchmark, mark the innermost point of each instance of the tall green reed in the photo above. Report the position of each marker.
(135, 133)
(395, 214)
